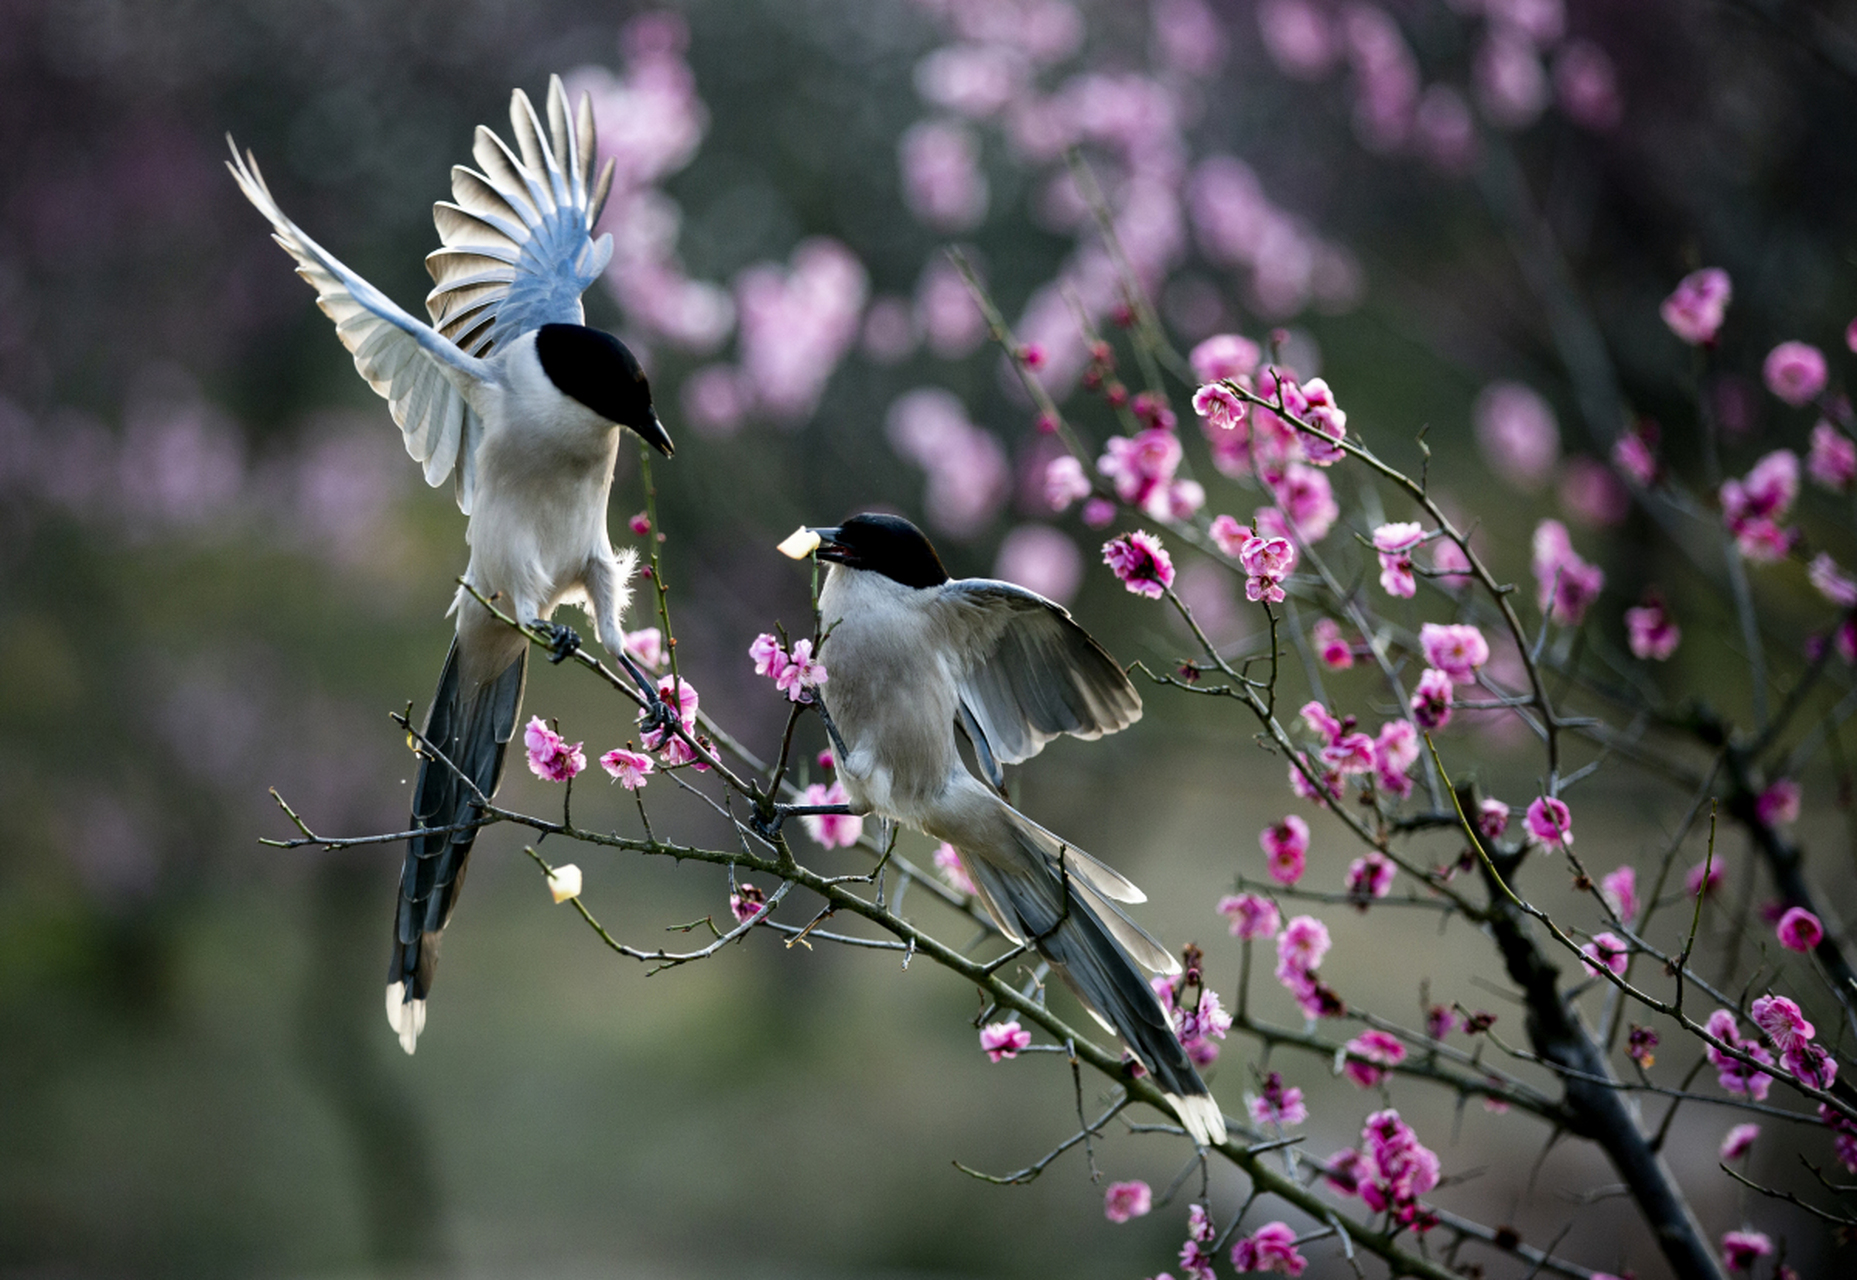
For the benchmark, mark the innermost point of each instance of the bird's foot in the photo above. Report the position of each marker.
(563, 640)
(770, 827)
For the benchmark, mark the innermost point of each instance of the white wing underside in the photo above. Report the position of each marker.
(517, 255)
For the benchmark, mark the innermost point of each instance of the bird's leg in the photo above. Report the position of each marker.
(563, 640)
(658, 716)
(831, 730)
(770, 827)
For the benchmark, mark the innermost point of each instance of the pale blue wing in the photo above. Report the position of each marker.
(1030, 673)
(422, 374)
(519, 248)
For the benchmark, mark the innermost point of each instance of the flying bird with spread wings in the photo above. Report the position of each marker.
(510, 394)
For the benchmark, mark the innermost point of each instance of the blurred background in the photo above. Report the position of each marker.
(221, 574)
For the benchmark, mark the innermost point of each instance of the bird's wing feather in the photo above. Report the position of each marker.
(518, 240)
(1028, 672)
(421, 373)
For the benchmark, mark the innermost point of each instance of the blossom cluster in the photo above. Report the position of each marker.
(1390, 1170)
(1201, 1025)
(795, 672)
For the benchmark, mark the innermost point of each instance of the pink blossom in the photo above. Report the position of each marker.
(1844, 1137)
(1832, 582)
(1832, 463)
(943, 183)
(1440, 1021)
(1550, 822)
(1140, 563)
(1567, 585)
(1431, 701)
(1097, 512)
(1198, 1027)
(550, 758)
(1334, 652)
(1267, 561)
(1695, 311)
(948, 862)
(1004, 1039)
(1620, 888)
(746, 903)
(1592, 495)
(1320, 721)
(1651, 632)
(951, 321)
(969, 476)
(1732, 1074)
(1345, 1171)
(1606, 951)
(1228, 535)
(1370, 1054)
(1444, 129)
(1125, 1200)
(1811, 1063)
(1329, 782)
(832, 830)
(1782, 1020)
(1307, 501)
(1220, 409)
(1739, 1141)
(1517, 433)
(1778, 805)
(1040, 558)
(1303, 943)
(628, 768)
(1369, 877)
(646, 647)
(1286, 848)
(1222, 356)
(639, 524)
(1512, 88)
(1768, 490)
(770, 659)
(1395, 750)
(1742, 1249)
(1314, 403)
(1196, 1259)
(1795, 372)
(1395, 1168)
(1493, 818)
(681, 696)
(1586, 85)
(1251, 916)
(1276, 1104)
(1799, 930)
(797, 322)
(1457, 650)
(1350, 753)
(1631, 454)
(1140, 466)
(802, 673)
(1272, 1247)
(1703, 878)
(1065, 482)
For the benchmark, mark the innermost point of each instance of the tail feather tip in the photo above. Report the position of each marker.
(406, 1017)
(1202, 1117)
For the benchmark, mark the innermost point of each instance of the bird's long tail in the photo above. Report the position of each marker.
(471, 723)
(1047, 894)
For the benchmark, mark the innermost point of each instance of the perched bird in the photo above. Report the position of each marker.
(508, 392)
(915, 655)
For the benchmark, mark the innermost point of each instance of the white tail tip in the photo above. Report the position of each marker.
(406, 1017)
(1201, 1116)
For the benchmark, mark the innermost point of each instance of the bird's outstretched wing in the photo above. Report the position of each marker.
(1030, 673)
(422, 374)
(519, 248)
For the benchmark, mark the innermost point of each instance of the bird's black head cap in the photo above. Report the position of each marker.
(884, 544)
(601, 372)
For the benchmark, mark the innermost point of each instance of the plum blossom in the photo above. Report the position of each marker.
(1778, 805)
(1606, 951)
(1566, 584)
(1300, 948)
(1591, 494)
(1492, 818)
(647, 647)
(1550, 822)
(833, 830)
(1832, 463)
(1065, 482)
(969, 477)
(1199, 1026)
(1276, 1104)
(1351, 752)
(770, 658)
(628, 768)
(1307, 501)
(1782, 1020)
(1440, 1021)
(1651, 632)
(1004, 1039)
(1457, 650)
(1732, 1074)
(1140, 563)
(1620, 889)
(1251, 916)
(1126, 1200)
(1517, 432)
(1314, 403)
(1320, 721)
(1272, 1247)
(1703, 878)
(1219, 407)
(1395, 1169)
(1267, 561)
(1395, 750)
(1335, 653)
(943, 184)
(1799, 930)
(1831, 581)
(803, 673)
(1632, 453)
(1394, 543)
(1370, 1054)
(550, 758)
(797, 323)
(747, 902)
(1586, 86)
(1369, 877)
(1041, 559)
(1742, 1249)
(1141, 467)
(1695, 311)
(1754, 506)
(1795, 372)
(1224, 355)
(1639, 1046)
(1286, 847)
(1431, 700)
(1327, 781)
(948, 862)
(1738, 1141)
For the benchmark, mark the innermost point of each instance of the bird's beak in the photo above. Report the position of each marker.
(652, 432)
(830, 548)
